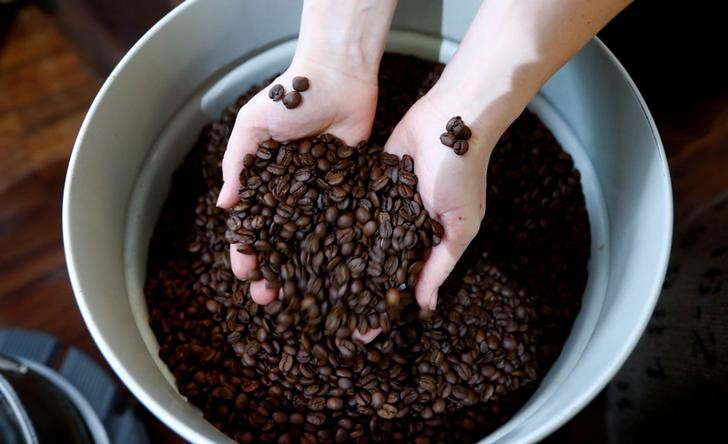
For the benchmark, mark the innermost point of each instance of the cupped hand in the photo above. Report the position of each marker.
(337, 102)
(452, 187)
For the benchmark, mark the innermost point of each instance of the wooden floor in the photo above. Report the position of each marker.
(45, 91)
(44, 94)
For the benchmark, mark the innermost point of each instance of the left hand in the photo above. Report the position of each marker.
(452, 187)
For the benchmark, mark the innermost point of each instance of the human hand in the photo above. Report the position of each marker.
(452, 187)
(338, 101)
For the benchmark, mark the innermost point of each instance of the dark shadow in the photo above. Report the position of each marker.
(8, 10)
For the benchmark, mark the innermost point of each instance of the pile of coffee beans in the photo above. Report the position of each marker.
(290, 99)
(502, 318)
(336, 228)
(456, 135)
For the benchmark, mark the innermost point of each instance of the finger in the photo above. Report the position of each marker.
(350, 136)
(244, 139)
(367, 337)
(395, 144)
(242, 264)
(261, 292)
(437, 268)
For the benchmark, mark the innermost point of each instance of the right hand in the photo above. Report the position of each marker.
(338, 101)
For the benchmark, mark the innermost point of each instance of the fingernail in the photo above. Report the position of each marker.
(433, 301)
(219, 195)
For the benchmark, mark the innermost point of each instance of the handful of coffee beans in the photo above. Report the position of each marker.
(275, 373)
(336, 228)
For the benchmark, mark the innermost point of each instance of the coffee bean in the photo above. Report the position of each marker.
(447, 139)
(393, 297)
(300, 83)
(317, 404)
(292, 99)
(334, 403)
(297, 419)
(280, 417)
(345, 220)
(387, 411)
(453, 122)
(461, 147)
(286, 363)
(461, 131)
(378, 399)
(276, 92)
(346, 348)
(316, 419)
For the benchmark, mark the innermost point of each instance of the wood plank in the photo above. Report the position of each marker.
(54, 142)
(32, 35)
(32, 82)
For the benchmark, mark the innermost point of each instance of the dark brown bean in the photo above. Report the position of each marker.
(461, 147)
(300, 83)
(447, 139)
(276, 92)
(292, 99)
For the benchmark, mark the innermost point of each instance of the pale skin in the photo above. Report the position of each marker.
(511, 48)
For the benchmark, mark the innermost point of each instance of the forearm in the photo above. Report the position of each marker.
(512, 48)
(348, 34)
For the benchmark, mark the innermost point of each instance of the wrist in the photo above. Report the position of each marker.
(487, 103)
(347, 36)
(347, 59)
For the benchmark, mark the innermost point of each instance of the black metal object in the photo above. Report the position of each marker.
(34, 408)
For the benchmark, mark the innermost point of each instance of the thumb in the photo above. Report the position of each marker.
(243, 140)
(441, 262)
(460, 229)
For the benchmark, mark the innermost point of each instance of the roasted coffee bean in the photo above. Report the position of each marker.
(387, 411)
(393, 297)
(334, 403)
(499, 324)
(316, 419)
(276, 92)
(280, 417)
(292, 99)
(460, 147)
(378, 399)
(300, 83)
(457, 120)
(317, 404)
(447, 139)
(461, 131)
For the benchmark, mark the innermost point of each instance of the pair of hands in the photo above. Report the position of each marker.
(343, 103)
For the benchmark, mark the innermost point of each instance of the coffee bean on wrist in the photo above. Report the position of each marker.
(300, 83)
(292, 99)
(460, 147)
(456, 135)
(276, 92)
(452, 122)
(448, 139)
(461, 131)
